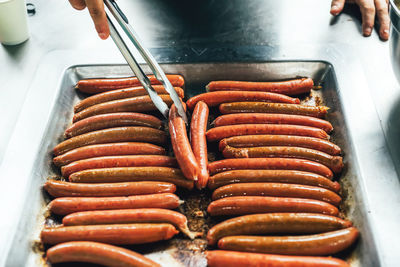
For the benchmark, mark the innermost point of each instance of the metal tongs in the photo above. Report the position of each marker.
(152, 63)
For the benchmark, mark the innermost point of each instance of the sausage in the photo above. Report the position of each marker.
(313, 245)
(224, 258)
(335, 163)
(95, 86)
(291, 87)
(118, 161)
(112, 120)
(277, 190)
(269, 164)
(67, 205)
(133, 104)
(263, 107)
(276, 223)
(213, 99)
(113, 149)
(118, 234)
(272, 176)
(66, 189)
(130, 216)
(198, 128)
(121, 94)
(261, 118)
(113, 135)
(281, 140)
(181, 146)
(97, 253)
(218, 133)
(132, 174)
(254, 204)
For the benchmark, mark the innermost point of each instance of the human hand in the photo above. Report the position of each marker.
(369, 9)
(96, 10)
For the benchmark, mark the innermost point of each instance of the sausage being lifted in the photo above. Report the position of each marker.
(95, 86)
(67, 189)
(119, 234)
(263, 107)
(312, 245)
(213, 99)
(276, 223)
(224, 258)
(67, 205)
(97, 253)
(291, 87)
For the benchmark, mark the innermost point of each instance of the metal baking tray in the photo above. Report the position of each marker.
(25, 250)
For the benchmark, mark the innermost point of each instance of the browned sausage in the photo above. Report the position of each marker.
(67, 189)
(113, 149)
(121, 94)
(272, 176)
(97, 253)
(280, 140)
(132, 174)
(261, 118)
(181, 146)
(118, 161)
(224, 258)
(218, 133)
(269, 164)
(291, 87)
(198, 128)
(313, 245)
(335, 163)
(213, 99)
(112, 120)
(67, 205)
(254, 204)
(277, 190)
(263, 107)
(95, 86)
(119, 234)
(130, 216)
(113, 135)
(276, 223)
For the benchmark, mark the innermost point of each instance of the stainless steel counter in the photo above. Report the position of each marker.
(221, 31)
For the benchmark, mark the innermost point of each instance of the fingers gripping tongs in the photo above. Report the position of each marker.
(152, 63)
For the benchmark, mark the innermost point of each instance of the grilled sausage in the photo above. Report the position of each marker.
(198, 128)
(95, 86)
(276, 223)
(113, 149)
(112, 120)
(97, 253)
(118, 161)
(291, 87)
(272, 176)
(130, 216)
(280, 140)
(121, 94)
(213, 99)
(67, 205)
(132, 174)
(277, 190)
(313, 245)
(113, 135)
(262, 118)
(118, 234)
(263, 107)
(218, 133)
(67, 189)
(224, 258)
(269, 164)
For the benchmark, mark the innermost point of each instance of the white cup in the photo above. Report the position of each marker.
(13, 22)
